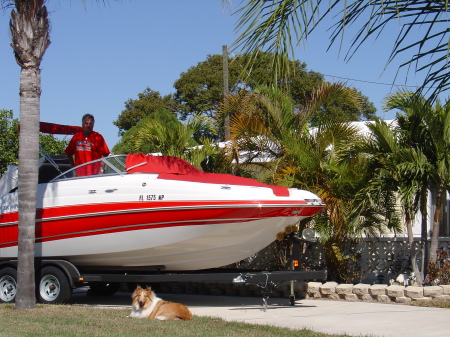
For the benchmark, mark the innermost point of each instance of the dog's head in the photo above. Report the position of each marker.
(142, 298)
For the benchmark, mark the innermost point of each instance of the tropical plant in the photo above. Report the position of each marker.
(177, 140)
(279, 26)
(426, 129)
(163, 116)
(396, 171)
(265, 125)
(30, 29)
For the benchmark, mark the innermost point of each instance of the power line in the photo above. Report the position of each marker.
(373, 82)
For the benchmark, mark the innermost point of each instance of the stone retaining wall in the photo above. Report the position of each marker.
(376, 293)
(313, 290)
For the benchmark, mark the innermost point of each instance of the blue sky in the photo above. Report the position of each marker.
(101, 56)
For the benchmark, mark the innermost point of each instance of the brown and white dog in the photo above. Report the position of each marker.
(147, 305)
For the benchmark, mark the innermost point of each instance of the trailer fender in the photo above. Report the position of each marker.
(66, 267)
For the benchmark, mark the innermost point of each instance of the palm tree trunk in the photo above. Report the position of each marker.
(412, 253)
(436, 222)
(28, 179)
(29, 29)
(424, 231)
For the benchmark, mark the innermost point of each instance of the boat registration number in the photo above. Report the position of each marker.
(151, 197)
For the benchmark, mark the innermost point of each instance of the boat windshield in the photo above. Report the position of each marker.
(111, 165)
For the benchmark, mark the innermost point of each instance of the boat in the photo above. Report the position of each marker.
(150, 211)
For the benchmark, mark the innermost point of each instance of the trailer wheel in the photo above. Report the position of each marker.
(8, 285)
(103, 288)
(53, 286)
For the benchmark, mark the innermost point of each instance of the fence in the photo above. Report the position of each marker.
(381, 258)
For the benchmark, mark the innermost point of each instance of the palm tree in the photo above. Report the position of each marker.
(30, 38)
(427, 130)
(397, 173)
(265, 120)
(278, 26)
(264, 123)
(177, 140)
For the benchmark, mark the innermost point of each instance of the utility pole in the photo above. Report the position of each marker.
(225, 90)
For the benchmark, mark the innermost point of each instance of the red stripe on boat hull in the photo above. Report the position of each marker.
(87, 220)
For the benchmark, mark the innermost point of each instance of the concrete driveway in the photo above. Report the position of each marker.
(335, 317)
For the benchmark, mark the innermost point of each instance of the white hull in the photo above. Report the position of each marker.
(135, 220)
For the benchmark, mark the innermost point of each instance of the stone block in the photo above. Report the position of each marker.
(383, 298)
(377, 289)
(301, 285)
(366, 298)
(422, 299)
(343, 289)
(314, 287)
(333, 296)
(446, 289)
(433, 291)
(414, 292)
(395, 291)
(361, 289)
(328, 288)
(442, 297)
(300, 294)
(284, 287)
(403, 300)
(351, 297)
(315, 295)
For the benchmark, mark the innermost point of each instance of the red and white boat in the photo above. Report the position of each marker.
(155, 211)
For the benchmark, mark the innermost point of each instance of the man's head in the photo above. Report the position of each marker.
(87, 122)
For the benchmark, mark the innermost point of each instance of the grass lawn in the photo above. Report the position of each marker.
(66, 320)
(77, 320)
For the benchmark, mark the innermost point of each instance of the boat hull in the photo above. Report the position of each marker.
(138, 220)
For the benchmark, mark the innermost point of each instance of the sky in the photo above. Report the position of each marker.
(102, 55)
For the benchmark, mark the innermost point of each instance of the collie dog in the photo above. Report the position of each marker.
(147, 305)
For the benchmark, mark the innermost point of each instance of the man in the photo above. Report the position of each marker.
(86, 146)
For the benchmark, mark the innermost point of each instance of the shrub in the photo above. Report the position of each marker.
(439, 272)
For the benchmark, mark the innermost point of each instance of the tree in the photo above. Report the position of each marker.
(397, 169)
(176, 140)
(162, 116)
(278, 26)
(52, 145)
(345, 111)
(265, 125)
(427, 130)
(148, 102)
(200, 89)
(9, 139)
(30, 29)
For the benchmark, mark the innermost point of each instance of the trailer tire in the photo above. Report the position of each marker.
(8, 285)
(53, 286)
(103, 288)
